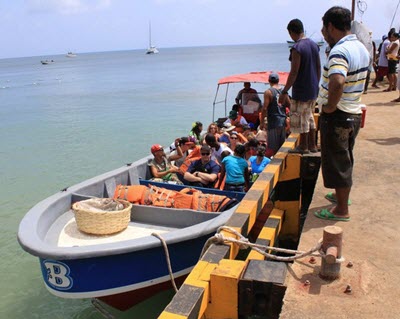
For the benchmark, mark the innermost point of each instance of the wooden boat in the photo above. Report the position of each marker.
(47, 62)
(122, 269)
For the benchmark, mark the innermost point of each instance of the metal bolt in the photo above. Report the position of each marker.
(307, 283)
(312, 260)
(348, 289)
(349, 264)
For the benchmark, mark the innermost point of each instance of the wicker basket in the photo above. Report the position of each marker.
(102, 222)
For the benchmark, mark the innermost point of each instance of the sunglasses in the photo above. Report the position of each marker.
(234, 138)
(205, 154)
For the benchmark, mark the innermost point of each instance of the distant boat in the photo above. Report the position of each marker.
(151, 49)
(291, 43)
(70, 55)
(47, 61)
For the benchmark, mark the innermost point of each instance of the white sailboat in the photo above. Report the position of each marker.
(151, 49)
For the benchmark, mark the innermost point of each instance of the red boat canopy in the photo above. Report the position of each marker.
(253, 77)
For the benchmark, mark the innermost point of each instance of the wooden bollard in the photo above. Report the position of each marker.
(332, 247)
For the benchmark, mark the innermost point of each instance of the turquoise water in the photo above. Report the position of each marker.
(78, 117)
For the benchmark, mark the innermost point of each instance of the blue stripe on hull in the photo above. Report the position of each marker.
(115, 271)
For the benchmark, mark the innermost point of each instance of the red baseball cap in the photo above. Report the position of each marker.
(156, 148)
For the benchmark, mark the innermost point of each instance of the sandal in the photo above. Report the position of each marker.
(327, 215)
(396, 100)
(386, 90)
(332, 198)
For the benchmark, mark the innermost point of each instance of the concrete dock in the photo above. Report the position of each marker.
(371, 240)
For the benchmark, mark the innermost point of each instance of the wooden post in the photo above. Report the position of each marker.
(332, 247)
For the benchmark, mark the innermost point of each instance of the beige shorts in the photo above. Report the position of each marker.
(302, 116)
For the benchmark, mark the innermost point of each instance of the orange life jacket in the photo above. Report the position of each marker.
(194, 155)
(133, 194)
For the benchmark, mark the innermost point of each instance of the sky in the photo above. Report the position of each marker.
(47, 27)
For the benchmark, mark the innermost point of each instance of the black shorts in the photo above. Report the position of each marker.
(338, 133)
(392, 65)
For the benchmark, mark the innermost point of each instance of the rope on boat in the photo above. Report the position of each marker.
(100, 308)
(168, 260)
(244, 243)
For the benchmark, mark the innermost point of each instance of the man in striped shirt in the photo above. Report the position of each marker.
(340, 93)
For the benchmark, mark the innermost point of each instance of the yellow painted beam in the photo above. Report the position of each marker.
(234, 248)
(292, 170)
(169, 315)
(224, 290)
(268, 233)
(211, 291)
(291, 225)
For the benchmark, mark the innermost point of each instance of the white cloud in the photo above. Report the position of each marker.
(66, 7)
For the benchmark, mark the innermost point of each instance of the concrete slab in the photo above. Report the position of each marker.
(371, 238)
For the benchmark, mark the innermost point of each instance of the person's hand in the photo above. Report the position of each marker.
(177, 140)
(174, 169)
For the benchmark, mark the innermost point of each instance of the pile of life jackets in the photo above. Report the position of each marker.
(187, 198)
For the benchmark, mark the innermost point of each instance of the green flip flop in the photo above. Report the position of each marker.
(327, 215)
(332, 198)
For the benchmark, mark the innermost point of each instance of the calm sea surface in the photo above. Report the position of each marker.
(79, 117)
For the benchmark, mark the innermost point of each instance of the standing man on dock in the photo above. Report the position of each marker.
(304, 76)
(340, 94)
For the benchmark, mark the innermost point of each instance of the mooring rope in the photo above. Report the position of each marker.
(168, 260)
(244, 243)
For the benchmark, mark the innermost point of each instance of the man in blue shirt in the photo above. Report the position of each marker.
(204, 171)
(304, 76)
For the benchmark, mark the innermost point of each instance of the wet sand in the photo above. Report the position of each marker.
(371, 240)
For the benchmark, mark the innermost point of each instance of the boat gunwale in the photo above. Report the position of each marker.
(33, 242)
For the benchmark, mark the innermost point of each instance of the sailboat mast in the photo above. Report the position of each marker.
(149, 34)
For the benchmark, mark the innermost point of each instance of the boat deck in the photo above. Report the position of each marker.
(65, 233)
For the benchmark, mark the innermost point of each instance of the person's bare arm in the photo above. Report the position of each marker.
(294, 71)
(267, 101)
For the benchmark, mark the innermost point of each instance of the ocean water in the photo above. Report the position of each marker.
(79, 117)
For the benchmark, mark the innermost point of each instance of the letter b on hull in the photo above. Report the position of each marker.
(56, 274)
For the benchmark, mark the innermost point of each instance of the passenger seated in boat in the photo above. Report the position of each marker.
(236, 120)
(197, 128)
(212, 129)
(225, 133)
(161, 167)
(234, 140)
(236, 170)
(183, 146)
(250, 105)
(204, 171)
(258, 162)
(251, 148)
(246, 94)
(217, 147)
